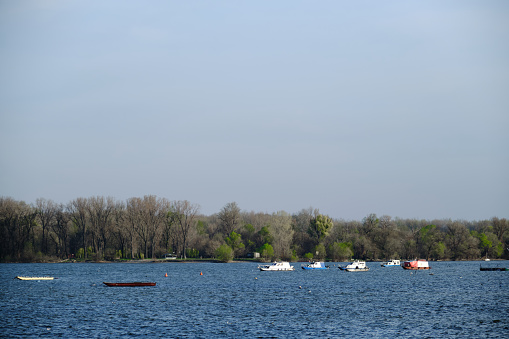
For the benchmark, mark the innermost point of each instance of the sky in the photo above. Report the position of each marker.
(397, 108)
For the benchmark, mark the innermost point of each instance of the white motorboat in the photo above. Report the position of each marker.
(277, 266)
(315, 265)
(34, 278)
(391, 263)
(357, 266)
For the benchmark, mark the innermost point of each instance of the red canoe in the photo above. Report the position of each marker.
(130, 284)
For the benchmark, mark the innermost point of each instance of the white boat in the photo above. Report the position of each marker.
(315, 265)
(34, 278)
(277, 266)
(357, 266)
(170, 256)
(391, 262)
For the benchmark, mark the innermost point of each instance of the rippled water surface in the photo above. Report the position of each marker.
(237, 300)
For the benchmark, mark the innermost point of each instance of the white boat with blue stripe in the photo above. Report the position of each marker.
(391, 263)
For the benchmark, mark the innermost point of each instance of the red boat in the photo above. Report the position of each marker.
(129, 284)
(420, 264)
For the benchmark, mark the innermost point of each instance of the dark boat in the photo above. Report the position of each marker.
(129, 284)
(494, 269)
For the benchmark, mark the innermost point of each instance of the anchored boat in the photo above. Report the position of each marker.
(420, 264)
(494, 268)
(34, 278)
(315, 265)
(356, 266)
(391, 263)
(130, 284)
(277, 266)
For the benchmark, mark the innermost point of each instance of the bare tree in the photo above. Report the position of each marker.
(120, 228)
(281, 229)
(185, 216)
(146, 217)
(79, 215)
(134, 219)
(229, 217)
(60, 230)
(500, 227)
(46, 213)
(99, 212)
(9, 210)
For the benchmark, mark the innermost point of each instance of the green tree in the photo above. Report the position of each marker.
(266, 251)
(319, 227)
(484, 244)
(438, 251)
(235, 242)
(264, 235)
(320, 251)
(224, 253)
(429, 237)
(341, 251)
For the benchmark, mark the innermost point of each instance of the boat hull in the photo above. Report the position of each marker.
(494, 269)
(357, 269)
(35, 278)
(130, 284)
(416, 268)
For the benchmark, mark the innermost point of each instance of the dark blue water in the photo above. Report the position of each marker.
(237, 300)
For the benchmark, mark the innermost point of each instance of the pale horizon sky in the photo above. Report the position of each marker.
(396, 108)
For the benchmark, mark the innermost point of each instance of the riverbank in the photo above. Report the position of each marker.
(197, 260)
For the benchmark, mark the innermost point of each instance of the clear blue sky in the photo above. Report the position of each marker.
(397, 108)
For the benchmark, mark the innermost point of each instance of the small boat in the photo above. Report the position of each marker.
(391, 263)
(494, 268)
(170, 256)
(34, 278)
(130, 284)
(356, 266)
(420, 264)
(277, 266)
(315, 265)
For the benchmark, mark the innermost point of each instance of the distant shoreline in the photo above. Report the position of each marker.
(194, 261)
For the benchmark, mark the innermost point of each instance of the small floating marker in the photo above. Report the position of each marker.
(256, 278)
(166, 274)
(201, 273)
(300, 287)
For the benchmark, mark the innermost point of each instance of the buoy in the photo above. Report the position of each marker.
(201, 273)
(166, 274)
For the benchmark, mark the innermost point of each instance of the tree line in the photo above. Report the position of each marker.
(102, 228)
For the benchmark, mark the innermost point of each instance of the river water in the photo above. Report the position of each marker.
(237, 300)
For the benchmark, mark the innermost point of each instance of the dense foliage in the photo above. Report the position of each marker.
(99, 228)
